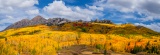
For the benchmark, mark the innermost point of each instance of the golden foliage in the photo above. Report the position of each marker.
(42, 40)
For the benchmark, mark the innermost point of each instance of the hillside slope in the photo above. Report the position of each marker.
(94, 26)
(42, 39)
(100, 37)
(102, 28)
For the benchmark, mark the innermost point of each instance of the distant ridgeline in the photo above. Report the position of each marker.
(94, 26)
(51, 21)
(37, 21)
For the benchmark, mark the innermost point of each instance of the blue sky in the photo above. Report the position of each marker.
(143, 12)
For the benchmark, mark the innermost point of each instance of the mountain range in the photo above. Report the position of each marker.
(51, 21)
(36, 21)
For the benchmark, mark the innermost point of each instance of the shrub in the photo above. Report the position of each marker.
(154, 49)
(137, 49)
(78, 38)
(99, 46)
(35, 31)
(84, 29)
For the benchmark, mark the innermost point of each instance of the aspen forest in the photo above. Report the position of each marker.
(47, 40)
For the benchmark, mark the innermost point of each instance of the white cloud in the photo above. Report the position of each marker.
(14, 10)
(28, 3)
(2, 27)
(95, 8)
(150, 8)
(9, 17)
(59, 9)
(153, 26)
(18, 3)
(32, 12)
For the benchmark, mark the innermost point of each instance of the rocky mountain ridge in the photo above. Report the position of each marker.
(36, 21)
(51, 21)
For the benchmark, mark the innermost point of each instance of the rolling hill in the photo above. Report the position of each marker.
(40, 36)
